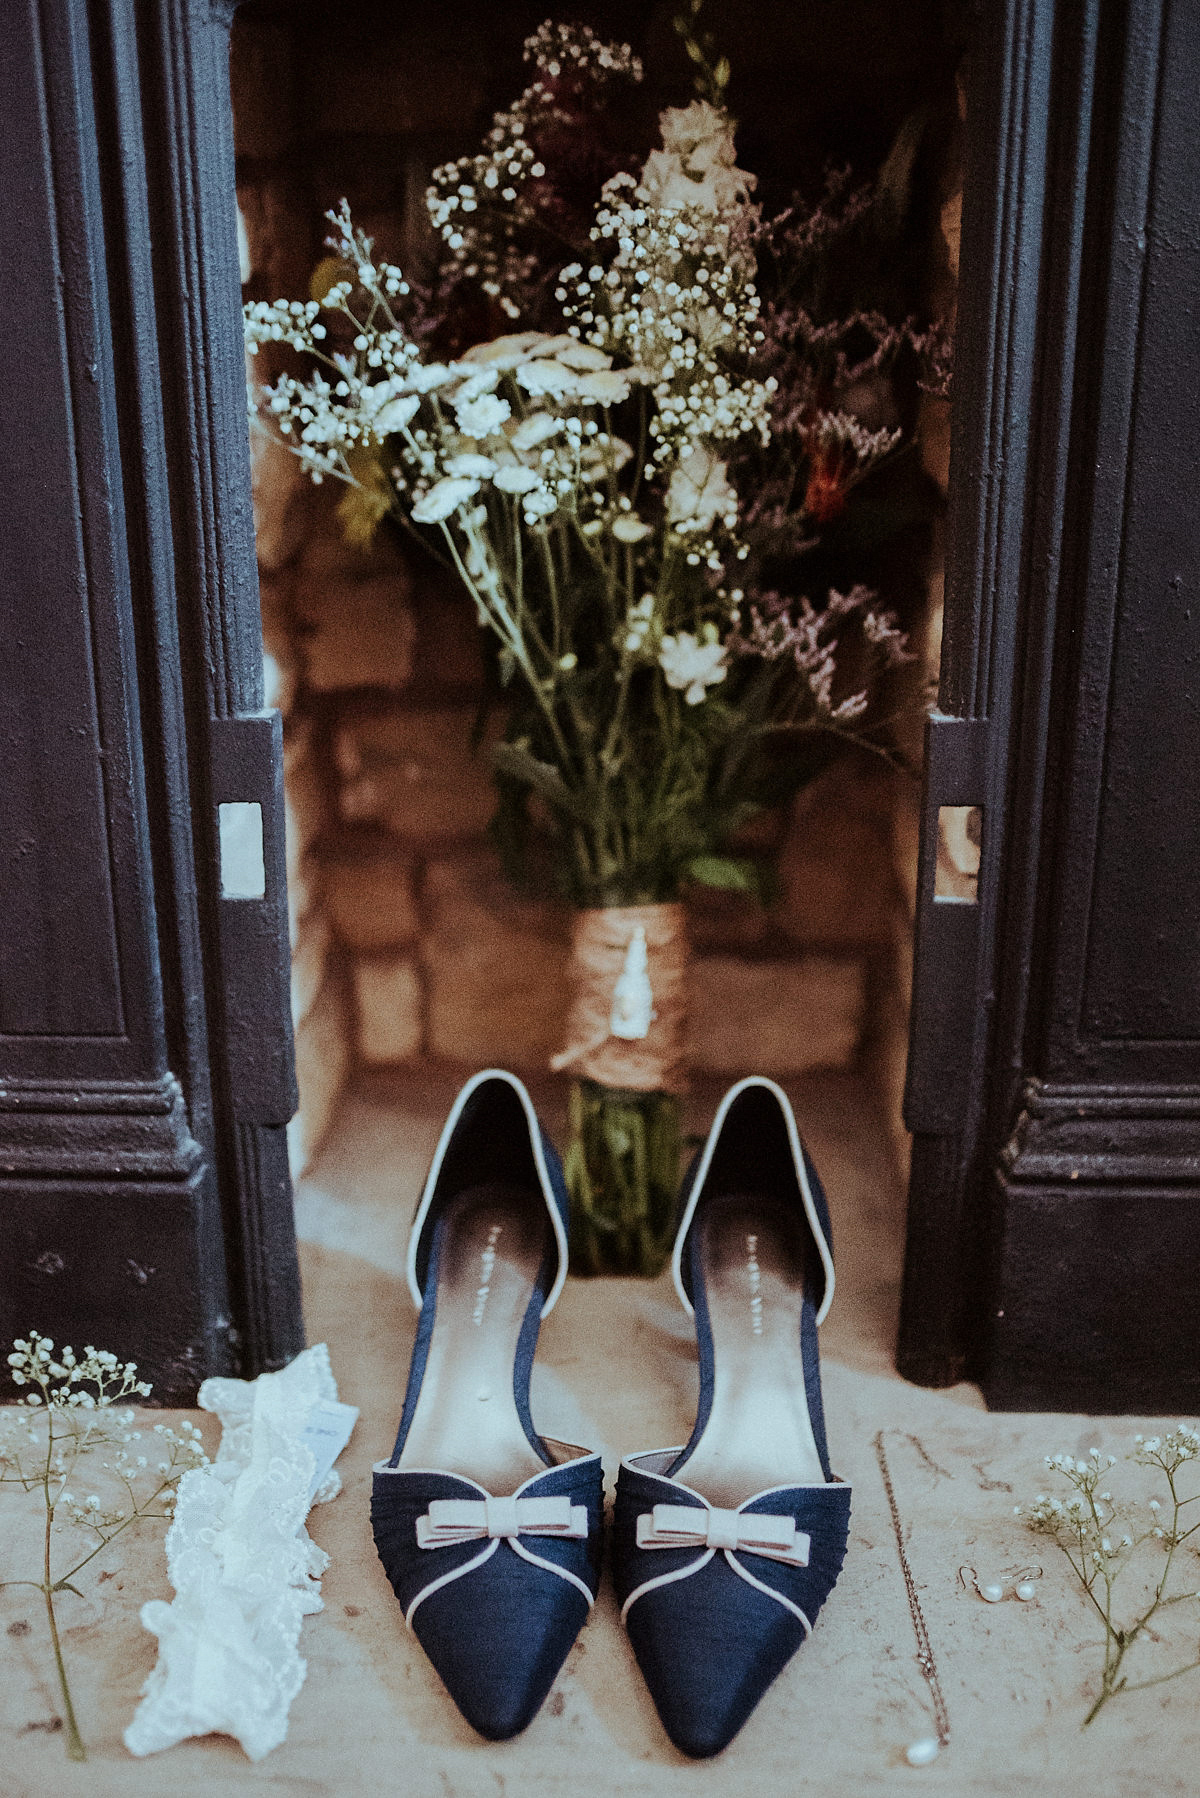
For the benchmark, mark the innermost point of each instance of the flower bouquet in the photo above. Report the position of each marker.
(582, 477)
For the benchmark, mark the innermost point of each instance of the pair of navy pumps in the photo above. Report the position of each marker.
(725, 1549)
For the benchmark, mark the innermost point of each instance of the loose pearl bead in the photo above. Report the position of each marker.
(1026, 1589)
(992, 1592)
(919, 1754)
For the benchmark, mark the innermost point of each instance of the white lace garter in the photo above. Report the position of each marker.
(239, 1557)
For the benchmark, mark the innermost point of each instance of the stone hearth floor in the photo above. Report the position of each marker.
(616, 1370)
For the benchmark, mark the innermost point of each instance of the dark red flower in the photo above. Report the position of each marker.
(825, 494)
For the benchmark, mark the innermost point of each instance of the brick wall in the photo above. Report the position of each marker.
(409, 944)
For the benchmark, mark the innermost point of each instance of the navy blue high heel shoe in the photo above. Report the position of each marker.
(488, 1532)
(725, 1550)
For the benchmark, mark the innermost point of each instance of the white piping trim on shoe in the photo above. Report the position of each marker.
(446, 1579)
(551, 1567)
(761, 1586)
(666, 1579)
(810, 1209)
(539, 1157)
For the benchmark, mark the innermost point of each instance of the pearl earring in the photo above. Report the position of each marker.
(992, 1591)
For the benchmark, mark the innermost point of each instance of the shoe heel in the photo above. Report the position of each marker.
(726, 1550)
(489, 1534)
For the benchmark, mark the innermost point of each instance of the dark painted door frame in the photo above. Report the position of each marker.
(1054, 1075)
(145, 1053)
(146, 1070)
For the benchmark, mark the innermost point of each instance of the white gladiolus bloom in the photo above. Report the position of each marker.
(534, 430)
(514, 477)
(699, 491)
(691, 665)
(697, 165)
(481, 417)
(396, 414)
(471, 465)
(629, 528)
(443, 498)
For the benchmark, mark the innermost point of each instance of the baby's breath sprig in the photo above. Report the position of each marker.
(1101, 1536)
(486, 207)
(74, 1406)
(581, 477)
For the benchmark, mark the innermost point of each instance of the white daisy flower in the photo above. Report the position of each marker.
(540, 504)
(443, 498)
(699, 491)
(691, 665)
(423, 377)
(534, 430)
(471, 465)
(514, 477)
(538, 378)
(396, 414)
(480, 417)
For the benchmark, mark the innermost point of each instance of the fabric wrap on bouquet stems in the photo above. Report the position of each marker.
(626, 1025)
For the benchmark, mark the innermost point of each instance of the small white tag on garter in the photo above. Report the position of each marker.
(326, 1433)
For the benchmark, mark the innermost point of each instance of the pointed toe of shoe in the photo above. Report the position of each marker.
(699, 1727)
(497, 1618)
(498, 1643)
(708, 1649)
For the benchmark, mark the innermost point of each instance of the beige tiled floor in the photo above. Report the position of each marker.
(616, 1369)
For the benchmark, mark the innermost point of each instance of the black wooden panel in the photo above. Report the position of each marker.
(1055, 1234)
(1114, 872)
(1097, 1300)
(184, 48)
(138, 1268)
(58, 950)
(1143, 971)
(145, 1201)
(1011, 111)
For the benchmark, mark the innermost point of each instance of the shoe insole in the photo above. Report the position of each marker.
(466, 1420)
(758, 1433)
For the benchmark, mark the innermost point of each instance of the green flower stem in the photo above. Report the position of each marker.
(508, 630)
(1118, 1642)
(75, 1394)
(75, 1748)
(622, 1168)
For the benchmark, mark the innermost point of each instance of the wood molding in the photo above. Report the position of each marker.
(145, 1037)
(1073, 629)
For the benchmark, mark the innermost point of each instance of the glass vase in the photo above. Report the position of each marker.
(622, 1168)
